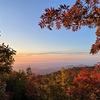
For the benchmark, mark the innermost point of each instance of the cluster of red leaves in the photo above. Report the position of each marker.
(82, 13)
(86, 85)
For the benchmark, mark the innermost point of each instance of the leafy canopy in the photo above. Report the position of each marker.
(82, 13)
(6, 58)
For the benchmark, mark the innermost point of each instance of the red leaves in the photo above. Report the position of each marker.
(82, 13)
(87, 81)
(96, 1)
(98, 31)
(92, 1)
(71, 17)
(89, 1)
(58, 25)
(49, 12)
(66, 14)
(96, 47)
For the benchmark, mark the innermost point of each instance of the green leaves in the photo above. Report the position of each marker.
(6, 58)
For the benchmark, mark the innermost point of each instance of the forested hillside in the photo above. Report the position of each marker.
(77, 83)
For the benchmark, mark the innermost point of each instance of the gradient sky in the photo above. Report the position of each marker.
(19, 28)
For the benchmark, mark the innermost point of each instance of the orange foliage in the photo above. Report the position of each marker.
(82, 13)
(87, 85)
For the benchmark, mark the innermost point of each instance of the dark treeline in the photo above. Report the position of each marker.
(79, 83)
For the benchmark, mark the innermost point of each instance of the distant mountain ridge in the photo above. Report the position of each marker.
(43, 71)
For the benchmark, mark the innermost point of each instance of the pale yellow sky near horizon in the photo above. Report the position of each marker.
(55, 58)
(44, 60)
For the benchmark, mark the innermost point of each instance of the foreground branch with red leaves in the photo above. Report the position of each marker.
(82, 13)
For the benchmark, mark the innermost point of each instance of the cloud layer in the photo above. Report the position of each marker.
(53, 53)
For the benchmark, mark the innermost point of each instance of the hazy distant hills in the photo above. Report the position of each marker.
(41, 70)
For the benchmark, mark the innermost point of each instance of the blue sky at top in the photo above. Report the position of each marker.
(19, 28)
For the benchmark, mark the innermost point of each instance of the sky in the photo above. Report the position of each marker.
(42, 47)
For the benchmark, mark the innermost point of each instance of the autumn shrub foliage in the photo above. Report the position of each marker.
(77, 83)
(86, 86)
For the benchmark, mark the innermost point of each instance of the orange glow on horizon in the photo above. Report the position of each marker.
(51, 58)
